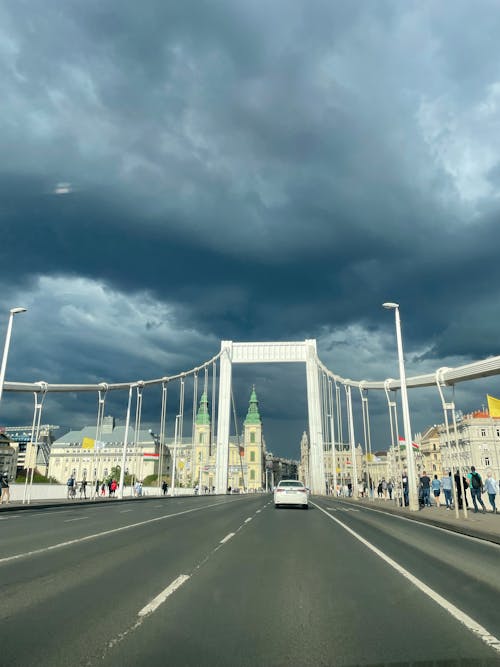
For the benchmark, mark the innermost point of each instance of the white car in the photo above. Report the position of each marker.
(290, 492)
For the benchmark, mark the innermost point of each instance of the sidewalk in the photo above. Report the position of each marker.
(17, 505)
(482, 526)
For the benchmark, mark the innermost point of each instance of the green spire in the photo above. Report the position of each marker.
(253, 416)
(203, 416)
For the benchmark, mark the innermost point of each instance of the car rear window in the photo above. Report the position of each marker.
(291, 483)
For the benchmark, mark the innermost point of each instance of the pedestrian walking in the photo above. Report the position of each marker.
(459, 490)
(83, 489)
(491, 487)
(70, 487)
(164, 487)
(447, 486)
(406, 489)
(390, 488)
(4, 485)
(379, 489)
(103, 489)
(425, 482)
(113, 487)
(436, 489)
(476, 486)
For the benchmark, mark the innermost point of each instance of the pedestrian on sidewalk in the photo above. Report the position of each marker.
(425, 482)
(390, 488)
(4, 485)
(83, 489)
(491, 487)
(447, 486)
(476, 485)
(459, 490)
(70, 484)
(406, 489)
(436, 489)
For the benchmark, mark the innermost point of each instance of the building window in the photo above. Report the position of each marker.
(252, 436)
(498, 432)
(433, 448)
(486, 460)
(483, 432)
(252, 475)
(200, 438)
(252, 457)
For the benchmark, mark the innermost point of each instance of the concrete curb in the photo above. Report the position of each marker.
(463, 529)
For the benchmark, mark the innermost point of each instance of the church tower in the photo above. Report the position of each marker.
(202, 457)
(254, 452)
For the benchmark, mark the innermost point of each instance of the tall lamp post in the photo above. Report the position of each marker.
(412, 478)
(13, 311)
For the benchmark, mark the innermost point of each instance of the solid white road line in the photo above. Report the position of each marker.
(68, 543)
(249, 519)
(430, 525)
(159, 599)
(227, 538)
(457, 613)
(77, 519)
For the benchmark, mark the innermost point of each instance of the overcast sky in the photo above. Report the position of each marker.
(177, 173)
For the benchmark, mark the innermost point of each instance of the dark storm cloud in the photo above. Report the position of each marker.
(264, 170)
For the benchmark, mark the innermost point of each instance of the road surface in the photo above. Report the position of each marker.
(232, 581)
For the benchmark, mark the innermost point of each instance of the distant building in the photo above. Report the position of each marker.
(476, 443)
(77, 454)
(20, 437)
(303, 470)
(8, 456)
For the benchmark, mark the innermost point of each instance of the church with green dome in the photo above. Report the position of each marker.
(246, 467)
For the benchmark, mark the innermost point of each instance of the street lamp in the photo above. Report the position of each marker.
(412, 489)
(13, 311)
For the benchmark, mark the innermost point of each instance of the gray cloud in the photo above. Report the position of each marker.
(249, 171)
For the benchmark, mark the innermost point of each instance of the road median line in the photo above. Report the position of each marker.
(161, 597)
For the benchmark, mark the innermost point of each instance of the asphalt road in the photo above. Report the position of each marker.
(232, 581)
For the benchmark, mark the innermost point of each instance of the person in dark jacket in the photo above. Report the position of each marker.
(459, 490)
(476, 487)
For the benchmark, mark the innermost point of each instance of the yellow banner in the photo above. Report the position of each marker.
(493, 406)
(88, 443)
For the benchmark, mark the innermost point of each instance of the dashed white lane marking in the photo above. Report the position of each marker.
(68, 543)
(77, 519)
(258, 511)
(227, 538)
(11, 516)
(123, 511)
(249, 519)
(341, 509)
(161, 597)
(457, 613)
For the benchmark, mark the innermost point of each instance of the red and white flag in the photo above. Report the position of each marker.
(402, 443)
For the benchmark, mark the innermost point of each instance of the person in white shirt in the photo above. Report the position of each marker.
(491, 487)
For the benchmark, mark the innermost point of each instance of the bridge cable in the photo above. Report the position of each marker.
(163, 426)
(35, 434)
(101, 401)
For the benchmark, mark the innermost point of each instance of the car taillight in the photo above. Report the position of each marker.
(279, 490)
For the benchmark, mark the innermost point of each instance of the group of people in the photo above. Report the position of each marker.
(472, 481)
(100, 488)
